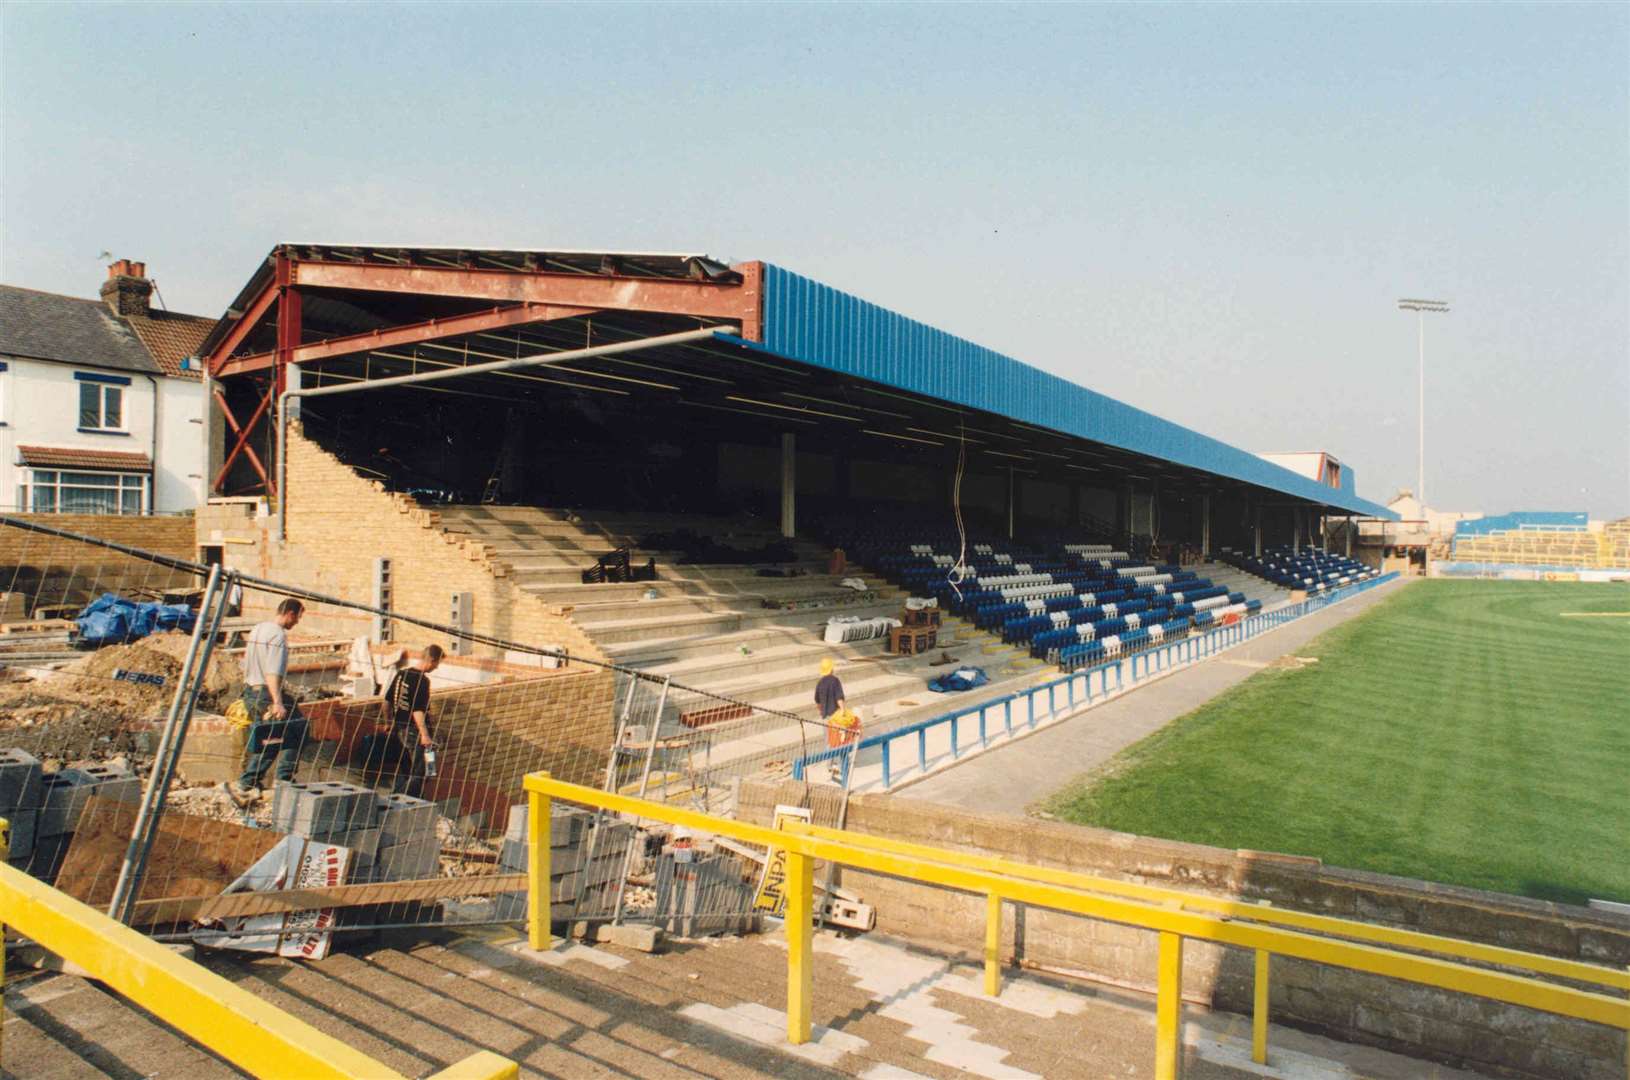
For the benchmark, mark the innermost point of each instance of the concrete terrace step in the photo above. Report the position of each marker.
(746, 588)
(649, 653)
(711, 623)
(805, 656)
(555, 570)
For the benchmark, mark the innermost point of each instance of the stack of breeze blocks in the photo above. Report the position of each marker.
(44, 810)
(390, 837)
(583, 883)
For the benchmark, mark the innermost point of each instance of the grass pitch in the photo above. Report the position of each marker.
(1465, 732)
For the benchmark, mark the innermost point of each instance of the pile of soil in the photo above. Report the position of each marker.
(160, 654)
(82, 712)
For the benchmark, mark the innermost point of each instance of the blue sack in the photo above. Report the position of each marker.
(963, 678)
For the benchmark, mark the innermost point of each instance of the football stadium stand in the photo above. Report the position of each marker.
(1309, 570)
(1550, 540)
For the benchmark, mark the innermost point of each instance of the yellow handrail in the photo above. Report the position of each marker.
(1240, 909)
(1171, 914)
(252, 1034)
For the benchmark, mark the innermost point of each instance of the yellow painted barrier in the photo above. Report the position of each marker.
(1172, 914)
(1241, 909)
(252, 1034)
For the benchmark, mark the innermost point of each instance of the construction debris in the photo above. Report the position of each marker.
(87, 711)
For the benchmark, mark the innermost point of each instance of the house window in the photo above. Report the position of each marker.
(101, 407)
(50, 491)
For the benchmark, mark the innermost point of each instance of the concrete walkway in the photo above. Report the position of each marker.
(1014, 775)
(883, 1010)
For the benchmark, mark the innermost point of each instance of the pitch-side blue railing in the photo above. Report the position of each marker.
(1027, 708)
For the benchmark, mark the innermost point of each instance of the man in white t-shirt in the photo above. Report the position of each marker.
(276, 728)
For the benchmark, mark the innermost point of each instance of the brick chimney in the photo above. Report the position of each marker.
(127, 290)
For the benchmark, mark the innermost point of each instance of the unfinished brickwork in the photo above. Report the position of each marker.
(339, 522)
(1482, 1034)
(41, 569)
(491, 736)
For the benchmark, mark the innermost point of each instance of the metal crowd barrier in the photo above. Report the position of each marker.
(1027, 708)
(1425, 959)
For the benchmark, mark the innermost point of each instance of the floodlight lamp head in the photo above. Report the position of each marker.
(1423, 305)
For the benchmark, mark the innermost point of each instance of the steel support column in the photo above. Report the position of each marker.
(1205, 527)
(1012, 499)
(1257, 529)
(789, 484)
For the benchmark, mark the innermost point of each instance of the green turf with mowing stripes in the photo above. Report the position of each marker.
(1461, 732)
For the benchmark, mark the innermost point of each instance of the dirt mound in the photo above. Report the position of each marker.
(161, 655)
(82, 711)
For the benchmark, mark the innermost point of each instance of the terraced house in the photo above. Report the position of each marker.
(101, 401)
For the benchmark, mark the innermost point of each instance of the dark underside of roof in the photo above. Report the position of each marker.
(716, 390)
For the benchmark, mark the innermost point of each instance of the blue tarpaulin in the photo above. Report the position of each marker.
(110, 619)
(963, 678)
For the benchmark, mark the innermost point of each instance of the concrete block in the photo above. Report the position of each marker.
(64, 796)
(21, 785)
(412, 861)
(363, 844)
(23, 826)
(49, 852)
(323, 808)
(565, 825)
(629, 936)
(403, 818)
(515, 855)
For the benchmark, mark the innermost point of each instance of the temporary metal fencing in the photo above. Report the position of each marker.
(113, 759)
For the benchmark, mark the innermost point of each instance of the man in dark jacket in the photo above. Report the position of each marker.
(407, 705)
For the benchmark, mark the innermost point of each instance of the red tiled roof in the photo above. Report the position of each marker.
(170, 338)
(63, 457)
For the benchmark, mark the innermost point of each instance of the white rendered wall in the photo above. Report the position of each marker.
(178, 472)
(39, 406)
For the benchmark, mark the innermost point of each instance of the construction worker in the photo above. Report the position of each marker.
(828, 691)
(829, 701)
(276, 728)
(407, 703)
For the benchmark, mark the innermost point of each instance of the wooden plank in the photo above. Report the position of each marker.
(190, 855)
(39, 626)
(196, 908)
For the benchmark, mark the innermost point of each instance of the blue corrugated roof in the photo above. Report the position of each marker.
(816, 324)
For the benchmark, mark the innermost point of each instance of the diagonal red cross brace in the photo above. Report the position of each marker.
(243, 433)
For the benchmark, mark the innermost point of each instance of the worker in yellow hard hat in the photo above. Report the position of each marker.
(828, 690)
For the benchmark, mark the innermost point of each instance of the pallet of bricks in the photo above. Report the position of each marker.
(917, 633)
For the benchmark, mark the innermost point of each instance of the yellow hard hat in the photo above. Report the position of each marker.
(826, 666)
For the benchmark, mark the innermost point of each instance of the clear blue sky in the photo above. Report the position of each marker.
(1207, 211)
